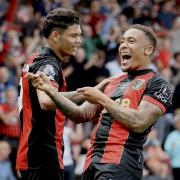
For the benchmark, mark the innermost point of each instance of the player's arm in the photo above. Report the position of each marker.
(76, 97)
(85, 112)
(78, 114)
(136, 120)
(45, 101)
(47, 104)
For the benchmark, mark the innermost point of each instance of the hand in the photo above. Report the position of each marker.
(91, 94)
(103, 83)
(40, 81)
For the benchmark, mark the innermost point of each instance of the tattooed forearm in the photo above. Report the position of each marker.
(78, 114)
(74, 96)
(128, 117)
(137, 120)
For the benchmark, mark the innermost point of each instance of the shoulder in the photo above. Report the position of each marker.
(159, 79)
(160, 84)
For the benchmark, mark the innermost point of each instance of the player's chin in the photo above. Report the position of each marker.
(125, 68)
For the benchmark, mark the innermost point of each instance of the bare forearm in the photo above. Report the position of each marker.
(71, 110)
(128, 117)
(136, 120)
(74, 96)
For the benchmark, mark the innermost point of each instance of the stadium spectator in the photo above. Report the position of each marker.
(70, 135)
(5, 164)
(156, 160)
(5, 82)
(172, 145)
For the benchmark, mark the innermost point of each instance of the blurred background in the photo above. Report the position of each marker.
(102, 22)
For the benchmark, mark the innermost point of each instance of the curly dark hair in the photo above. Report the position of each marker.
(59, 18)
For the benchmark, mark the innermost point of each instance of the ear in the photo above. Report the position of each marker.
(148, 50)
(55, 36)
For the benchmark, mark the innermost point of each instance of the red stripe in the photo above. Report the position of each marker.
(114, 148)
(108, 91)
(59, 134)
(60, 119)
(32, 57)
(22, 162)
(90, 150)
(22, 159)
(118, 134)
(154, 101)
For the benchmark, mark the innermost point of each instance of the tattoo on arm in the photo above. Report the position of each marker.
(74, 96)
(82, 113)
(136, 120)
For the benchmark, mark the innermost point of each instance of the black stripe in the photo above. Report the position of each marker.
(106, 123)
(42, 150)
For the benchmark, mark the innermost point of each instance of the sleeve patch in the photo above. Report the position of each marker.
(49, 71)
(164, 93)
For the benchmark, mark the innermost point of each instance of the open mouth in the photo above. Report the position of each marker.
(125, 57)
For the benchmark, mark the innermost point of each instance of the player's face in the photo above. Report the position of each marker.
(70, 40)
(132, 50)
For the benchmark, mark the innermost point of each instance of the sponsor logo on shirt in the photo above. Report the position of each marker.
(164, 93)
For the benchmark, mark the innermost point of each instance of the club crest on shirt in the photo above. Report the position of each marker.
(138, 84)
(49, 71)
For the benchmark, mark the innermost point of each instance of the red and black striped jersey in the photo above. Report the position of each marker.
(112, 142)
(41, 144)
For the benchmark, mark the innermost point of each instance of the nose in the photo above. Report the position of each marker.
(123, 45)
(78, 40)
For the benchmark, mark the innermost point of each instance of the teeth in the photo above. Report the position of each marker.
(126, 56)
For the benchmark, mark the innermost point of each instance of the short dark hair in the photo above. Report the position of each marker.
(149, 33)
(59, 18)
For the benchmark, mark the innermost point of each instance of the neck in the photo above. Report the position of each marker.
(51, 45)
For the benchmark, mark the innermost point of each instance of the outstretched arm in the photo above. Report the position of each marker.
(85, 112)
(136, 120)
(82, 113)
(76, 97)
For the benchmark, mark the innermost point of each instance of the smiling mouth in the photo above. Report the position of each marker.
(125, 57)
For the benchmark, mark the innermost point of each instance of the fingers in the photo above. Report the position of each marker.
(31, 76)
(82, 90)
(38, 75)
(43, 76)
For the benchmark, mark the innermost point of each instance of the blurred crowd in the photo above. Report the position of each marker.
(102, 22)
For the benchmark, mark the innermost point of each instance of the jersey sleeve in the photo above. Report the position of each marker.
(159, 92)
(51, 68)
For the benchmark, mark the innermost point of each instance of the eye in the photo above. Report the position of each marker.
(131, 40)
(121, 41)
(74, 35)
